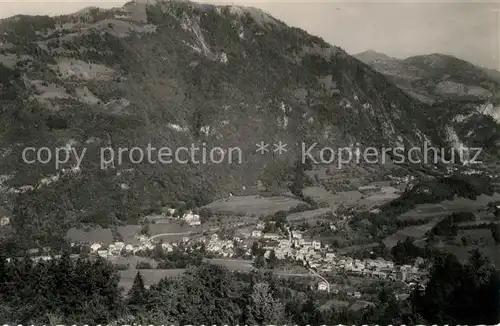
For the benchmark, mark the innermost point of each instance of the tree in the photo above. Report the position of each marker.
(137, 294)
(255, 248)
(299, 179)
(461, 294)
(145, 230)
(495, 232)
(263, 307)
(272, 261)
(259, 261)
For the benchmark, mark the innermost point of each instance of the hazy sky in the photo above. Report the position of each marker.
(466, 29)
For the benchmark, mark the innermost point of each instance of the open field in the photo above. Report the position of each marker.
(308, 215)
(351, 198)
(414, 232)
(350, 249)
(253, 205)
(95, 235)
(233, 264)
(128, 233)
(173, 227)
(322, 196)
(431, 211)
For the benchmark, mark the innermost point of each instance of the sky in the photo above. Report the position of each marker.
(464, 28)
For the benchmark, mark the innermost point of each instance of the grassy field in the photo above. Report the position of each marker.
(350, 198)
(234, 265)
(350, 249)
(414, 232)
(173, 227)
(253, 205)
(128, 233)
(95, 235)
(428, 212)
(308, 215)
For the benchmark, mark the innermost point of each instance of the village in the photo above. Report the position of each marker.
(293, 247)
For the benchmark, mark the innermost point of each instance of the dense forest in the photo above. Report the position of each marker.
(87, 291)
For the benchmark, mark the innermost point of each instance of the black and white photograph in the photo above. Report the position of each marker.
(265, 162)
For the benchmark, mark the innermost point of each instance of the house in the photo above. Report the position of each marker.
(4, 221)
(4, 217)
(95, 247)
(34, 251)
(296, 235)
(119, 245)
(128, 248)
(271, 236)
(257, 233)
(323, 286)
(307, 243)
(170, 211)
(167, 246)
(285, 243)
(102, 253)
(192, 219)
(316, 245)
(330, 256)
(260, 226)
(195, 223)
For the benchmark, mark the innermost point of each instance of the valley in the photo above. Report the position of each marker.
(274, 237)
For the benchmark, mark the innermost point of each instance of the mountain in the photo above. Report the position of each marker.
(436, 77)
(176, 74)
(371, 57)
(461, 96)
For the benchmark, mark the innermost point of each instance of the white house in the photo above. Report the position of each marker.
(257, 233)
(96, 246)
(322, 286)
(316, 245)
(271, 236)
(119, 245)
(192, 219)
(102, 253)
(296, 235)
(167, 246)
(4, 221)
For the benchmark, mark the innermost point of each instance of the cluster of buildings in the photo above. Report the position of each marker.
(189, 217)
(224, 247)
(317, 256)
(378, 268)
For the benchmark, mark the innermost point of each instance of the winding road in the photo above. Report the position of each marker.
(170, 234)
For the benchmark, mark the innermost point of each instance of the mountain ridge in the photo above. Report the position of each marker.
(436, 76)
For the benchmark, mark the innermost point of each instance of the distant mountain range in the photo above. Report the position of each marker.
(436, 77)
